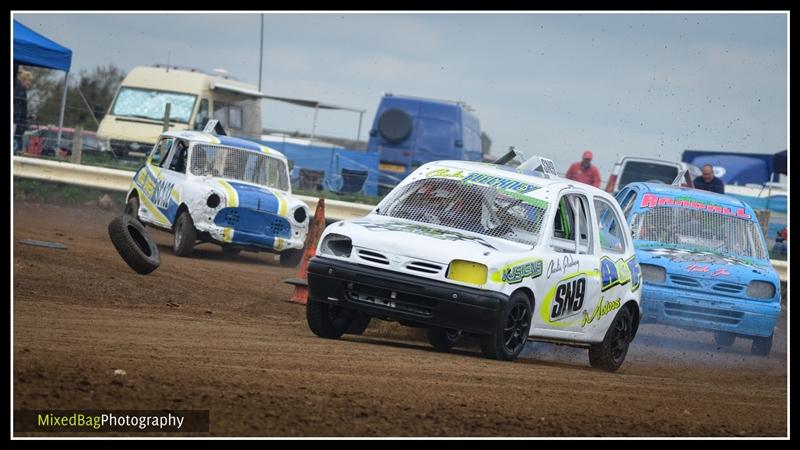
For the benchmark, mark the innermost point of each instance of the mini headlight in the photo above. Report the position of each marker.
(761, 289)
(213, 200)
(467, 271)
(653, 274)
(300, 215)
(336, 245)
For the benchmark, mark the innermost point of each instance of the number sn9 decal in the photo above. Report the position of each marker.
(568, 300)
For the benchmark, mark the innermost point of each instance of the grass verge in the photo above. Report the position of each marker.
(26, 189)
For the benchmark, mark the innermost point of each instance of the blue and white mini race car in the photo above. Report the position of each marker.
(704, 262)
(205, 187)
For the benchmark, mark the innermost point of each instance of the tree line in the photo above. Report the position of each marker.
(96, 86)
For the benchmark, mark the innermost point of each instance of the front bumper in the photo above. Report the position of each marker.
(258, 230)
(409, 299)
(695, 310)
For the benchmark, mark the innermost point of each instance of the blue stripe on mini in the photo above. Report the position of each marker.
(256, 198)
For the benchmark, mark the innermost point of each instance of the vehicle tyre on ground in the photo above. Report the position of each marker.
(511, 332)
(326, 320)
(724, 338)
(359, 323)
(291, 257)
(610, 353)
(185, 235)
(132, 207)
(762, 345)
(442, 338)
(230, 252)
(133, 244)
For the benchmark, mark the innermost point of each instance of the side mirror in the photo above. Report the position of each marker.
(373, 132)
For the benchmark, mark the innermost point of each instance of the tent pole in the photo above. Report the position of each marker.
(360, 116)
(61, 113)
(314, 124)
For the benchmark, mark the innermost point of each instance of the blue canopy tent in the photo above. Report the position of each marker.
(33, 49)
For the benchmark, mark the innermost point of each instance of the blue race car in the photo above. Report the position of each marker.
(705, 263)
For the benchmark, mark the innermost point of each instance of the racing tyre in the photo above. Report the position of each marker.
(132, 207)
(291, 257)
(133, 244)
(511, 332)
(230, 252)
(724, 339)
(185, 235)
(761, 345)
(442, 338)
(359, 323)
(326, 320)
(610, 353)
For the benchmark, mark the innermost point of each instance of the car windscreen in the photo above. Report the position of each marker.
(469, 207)
(237, 164)
(151, 104)
(700, 230)
(634, 171)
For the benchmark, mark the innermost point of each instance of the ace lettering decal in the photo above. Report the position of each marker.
(619, 273)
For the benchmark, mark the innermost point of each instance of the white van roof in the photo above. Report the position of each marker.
(183, 80)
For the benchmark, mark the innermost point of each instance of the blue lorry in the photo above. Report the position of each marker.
(408, 132)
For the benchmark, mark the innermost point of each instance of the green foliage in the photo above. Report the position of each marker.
(98, 88)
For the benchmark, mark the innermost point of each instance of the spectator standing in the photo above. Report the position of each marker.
(708, 182)
(584, 171)
(21, 119)
(781, 242)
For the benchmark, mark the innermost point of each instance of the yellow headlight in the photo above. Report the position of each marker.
(467, 272)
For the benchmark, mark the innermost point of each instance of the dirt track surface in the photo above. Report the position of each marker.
(216, 334)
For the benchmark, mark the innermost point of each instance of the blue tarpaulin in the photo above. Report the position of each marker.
(337, 164)
(740, 168)
(33, 49)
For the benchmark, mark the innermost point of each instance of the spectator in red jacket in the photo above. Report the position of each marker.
(584, 171)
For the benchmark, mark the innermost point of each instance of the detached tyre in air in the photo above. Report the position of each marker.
(133, 244)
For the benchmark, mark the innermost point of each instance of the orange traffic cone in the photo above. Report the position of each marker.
(300, 283)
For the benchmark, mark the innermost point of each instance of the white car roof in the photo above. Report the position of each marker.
(209, 138)
(553, 185)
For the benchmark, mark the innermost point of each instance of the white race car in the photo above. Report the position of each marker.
(504, 254)
(205, 187)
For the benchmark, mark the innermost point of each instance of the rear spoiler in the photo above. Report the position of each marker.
(533, 164)
(683, 177)
(214, 127)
